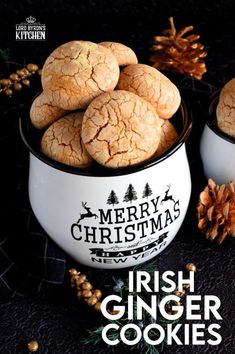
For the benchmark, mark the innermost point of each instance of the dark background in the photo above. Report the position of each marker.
(53, 316)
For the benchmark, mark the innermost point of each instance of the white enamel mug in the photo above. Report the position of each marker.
(107, 218)
(217, 149)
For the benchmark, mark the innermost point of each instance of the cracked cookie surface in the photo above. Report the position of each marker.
(43, 112)
(123, 54)
(78, 71)
(168, 137)
(150, 84)
(120, 129)
(225, 110)
(62, 141)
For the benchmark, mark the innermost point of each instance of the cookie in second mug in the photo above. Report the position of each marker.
(217, 149)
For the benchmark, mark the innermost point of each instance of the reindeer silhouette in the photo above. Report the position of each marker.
(89, 214)
(167, 197)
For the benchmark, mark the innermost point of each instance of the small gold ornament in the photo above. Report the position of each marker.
(17, 86)
(73, 272)
(26, 82)
(5, 82)
(92, 300)
(32, 67)
(97, 306)
(20, 72)
(87, 286)
(14, 77)
(79, 294)
(80, 279)
(190, 267)
(179, 293)
(168, 308)
(97, 293)
(8, 92)
(174, 52)
(186, 286)
(86, 293)
(33, 346)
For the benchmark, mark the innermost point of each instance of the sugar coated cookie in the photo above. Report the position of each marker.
(62, 141)
(150, 84)
(123, 54)
(120, 129)
(225, 111)
(43, 112)
(169, 136)
(78, 71)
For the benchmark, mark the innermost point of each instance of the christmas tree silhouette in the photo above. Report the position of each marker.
(147, 191)
(112, 199)
(130, 194)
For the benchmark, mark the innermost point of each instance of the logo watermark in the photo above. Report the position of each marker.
(31, 30)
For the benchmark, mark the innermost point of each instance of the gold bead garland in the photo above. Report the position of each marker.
(18, 79)
(92, 297)
(85, 289)
(33, 346)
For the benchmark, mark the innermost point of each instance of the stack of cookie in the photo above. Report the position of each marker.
(89, 110)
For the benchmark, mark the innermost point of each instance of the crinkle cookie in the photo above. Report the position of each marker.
(150, 84)
(120, 129)
(62, 141)
(123, 54)
(169, 136)
(229, 87)
(225, 110)
(78, 71)
(43, 112)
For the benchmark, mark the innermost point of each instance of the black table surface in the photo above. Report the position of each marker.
(54, 317)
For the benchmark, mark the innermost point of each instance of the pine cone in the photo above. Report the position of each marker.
(175, 53)
(216, 211)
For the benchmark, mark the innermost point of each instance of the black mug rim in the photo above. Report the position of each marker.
(105, 172)
(211, 114)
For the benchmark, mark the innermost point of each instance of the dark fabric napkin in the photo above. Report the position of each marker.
(29, 260)
(34, 263)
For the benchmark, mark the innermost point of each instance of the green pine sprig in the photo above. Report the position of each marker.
(4, 54)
